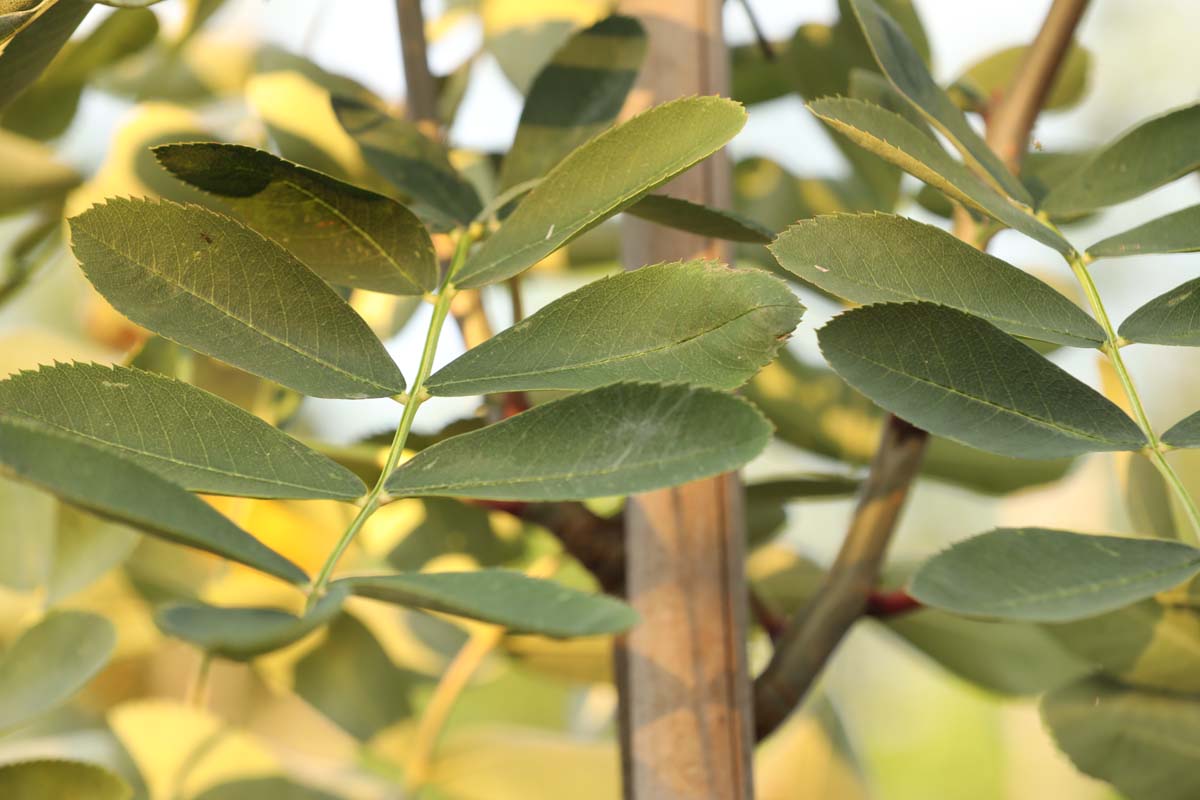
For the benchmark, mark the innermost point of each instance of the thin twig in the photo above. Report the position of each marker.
(764, 44)
(420, 89)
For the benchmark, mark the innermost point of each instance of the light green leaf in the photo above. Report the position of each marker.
(35, 44)
(50, 662)
(212, 284)
(601, 178)
(347, 235)
(577, 95)
(1185, 433)
(1172, 318)
(897, 140)
(903, 66)
(419, 167)
(1143, 743)
(502, 597)
(274, 788)
(1153, 153)
(31, 174)
(1174, 233)
(620, 439)
(85, 547)
(871, 258)
(114, 487)
(68, 780)
(755, 78)
(182, 433)
(243, 634)
(714, 223)
(694, 322)
(1041, 575)
(958, 376)
(990, 77)
(1148, 498)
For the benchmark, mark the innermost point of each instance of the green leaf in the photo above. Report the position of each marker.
(903, 66)
(212, 284)
(243, 634)
(451, 526)
(620, 439)
(694, 322)
(1172, 318)
(766, 502)
(755, 78)
(112, 486)
(990, 77)
(1175, 233)
(1041, 575)
(419, 167)
(274, 788)
(35, 44)
(85, 548)
(1143, 743)
(15, 14)
(1149, 155)
(601, 178)
(575, 96)
(1185, 433)
(1148, 498)
(958, 376)
(502, 597)
(50, 662)
(883, 258)
(182, 433)
(31, 174)
(347, 235)
(897, 140)
(75, 780)
(714, 223)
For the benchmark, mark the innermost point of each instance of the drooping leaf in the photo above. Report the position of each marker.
(502, 597)
(1041, 575)
(76, 780)
(347, 235)
(101, 481)
(960, 377)
(577, 95)
(991, 76)
(50, 662)
(1175, 233)
(419, 167)
(883, 258)
(242, 634)
(672, 212)
(31, 174)
(212, 284)
(601, 178)
(897, 140)
(1185, 433)
(619, 439)
(1171, 318)
(1143, 743)
(35, 44)
(1152, 153)
(274, 788)
(182, 433)
(903, 66)
(695, 321)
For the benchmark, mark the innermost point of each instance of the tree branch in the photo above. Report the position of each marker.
(420, 89)
(815, 632)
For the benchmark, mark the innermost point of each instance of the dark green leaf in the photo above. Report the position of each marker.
(347, 235)
(1171, 318)
(212, 284)
(601, 178)
(35, 44)
(50, 662)
(1185, 433)
(1148, 498)
(671, 212)
(755, 78)
(695, 322)
(502, 597)
(577, 95)
(1040, 575)
(620, 439)
(1144, 743)
(31, 174)
(958, 376)
(182, 433)
(1153, 153)
(419, 167)
(112, 486)
(1174, 233)
(766, 502)
(67, 780)
(15, 14)
(882, 258)
(263, 789)
(903, 66)
(983, 81)
(243, 634)
(894, 138)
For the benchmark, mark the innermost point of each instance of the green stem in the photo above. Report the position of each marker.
(416, 396)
